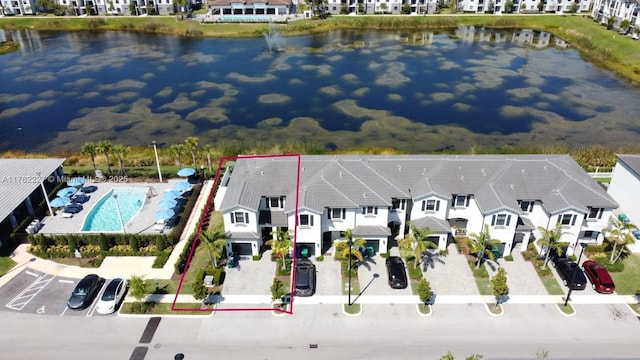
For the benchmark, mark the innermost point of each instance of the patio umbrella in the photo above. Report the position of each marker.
(186, 172)
(167, 204)
(76, 181)
(164, 214)
(60, 201)
(68, 191)
(171, 194)
(181, 186)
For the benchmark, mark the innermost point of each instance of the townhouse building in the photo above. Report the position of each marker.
(625, 182)
(377, 197)
(619, 10)
(518, 6)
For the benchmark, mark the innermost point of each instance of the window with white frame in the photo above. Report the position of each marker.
(430, 205)
(567, 219)
(595, 213)
(275, 202)
(370, 210)
(461, 200)
(306, 220)
(239, 217)
(337, 213)
(590, 234)
(527, 206)
(398, 204)
(500, 220)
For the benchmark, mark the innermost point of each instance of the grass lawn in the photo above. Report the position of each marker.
(553, 287)
(6, 264)
(628, 280)
(566, 309)
(484, 286)
(165, 309)
(165, 286)
(354, 309)
(199, 260)
(424, 309)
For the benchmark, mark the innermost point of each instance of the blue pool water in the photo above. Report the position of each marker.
(104, 214)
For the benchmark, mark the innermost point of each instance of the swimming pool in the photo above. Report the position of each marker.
(104, 214)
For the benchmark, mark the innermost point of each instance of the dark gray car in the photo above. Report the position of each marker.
(84, 293)
(305, 278)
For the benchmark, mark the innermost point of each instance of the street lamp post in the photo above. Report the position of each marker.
(115, 197)
(575, 272)
(350, 249)
(155, 150)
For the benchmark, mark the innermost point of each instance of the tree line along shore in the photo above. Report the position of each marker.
(604, 48)
(139, 161)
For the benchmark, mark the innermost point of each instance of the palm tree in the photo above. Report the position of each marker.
(191, 143)
(343, 249)
(178, 150)
(619, 233)
(105, 146)
(89, 148)
(120, 151)
(481, 244)
(281, 244)
(416, 242)
(207, 151)
(551, 239)
(216, 242)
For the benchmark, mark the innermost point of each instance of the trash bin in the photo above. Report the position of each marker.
(304, 252)
(370, 251)
(621, 217)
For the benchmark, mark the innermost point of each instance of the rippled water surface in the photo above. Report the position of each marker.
(416, 92)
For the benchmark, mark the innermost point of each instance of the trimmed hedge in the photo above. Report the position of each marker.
(181, 263)
(200, 291)
(92, 245)
(183, 217)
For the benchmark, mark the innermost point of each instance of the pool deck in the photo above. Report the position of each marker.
(142, 223)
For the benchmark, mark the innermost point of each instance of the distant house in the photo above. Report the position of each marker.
(625, 182)
(618, 10)
(251, 7)
(376, 197)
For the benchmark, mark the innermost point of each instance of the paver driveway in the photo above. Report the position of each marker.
(373, 275)
(251, 277)
(450, 274)
(327, 276)
(521, 275)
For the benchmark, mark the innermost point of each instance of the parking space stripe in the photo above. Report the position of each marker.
(66, 281)
(21, 300)
(32, 274)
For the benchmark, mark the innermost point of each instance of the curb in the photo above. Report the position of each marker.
(486, 307)
(423, 314)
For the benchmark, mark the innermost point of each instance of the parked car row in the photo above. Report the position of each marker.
(575, 278)
(89, 287)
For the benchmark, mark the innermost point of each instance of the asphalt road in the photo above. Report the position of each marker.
(380, 332)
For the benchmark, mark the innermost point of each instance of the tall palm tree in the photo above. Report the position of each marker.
(191, 143)
(281, 244)
(120, 152)
(178, 150)
(89, 148)
(216, 242)
(416, 242)
(481, 244)
(207, 151)
(551, 239)
(105, 146)
(619, 233)
(343, 249)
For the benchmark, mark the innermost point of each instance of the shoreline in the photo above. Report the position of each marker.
(602, 47)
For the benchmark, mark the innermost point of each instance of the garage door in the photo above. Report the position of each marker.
(304, 250)
(375, 244)
(242, 248)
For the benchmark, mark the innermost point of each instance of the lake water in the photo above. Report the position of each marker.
(416, 92)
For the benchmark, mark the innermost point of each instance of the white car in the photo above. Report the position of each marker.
(111, 296)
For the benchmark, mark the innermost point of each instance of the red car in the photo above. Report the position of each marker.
(599, 277)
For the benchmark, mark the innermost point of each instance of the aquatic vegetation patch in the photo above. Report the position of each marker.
(251, 79)
(330, 90)
(45, 76)
(90, 94)
(5, 98)
(360, 92)
(36, 105)
(394, 97)
(213, 115)
(165, 92)
(351, 108)
(123, 96)
(270, 122)
(352, 78)
(296, 82)
(122, 84)
(48, 94)
(197, 58)
(393, 76)
(523, 93)
(148, 76)
(442, 96)
(461, 107)
(274, 98)
(179, 103)
(79, 83)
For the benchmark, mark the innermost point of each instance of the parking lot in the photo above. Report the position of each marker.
(35, 292)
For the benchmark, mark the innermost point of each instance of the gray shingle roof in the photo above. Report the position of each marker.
(371, 230)
(433, 223)
(496, 181)
(19, 178)
(632, 161)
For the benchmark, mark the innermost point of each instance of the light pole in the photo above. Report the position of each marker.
(575, 272)
(44, 192)
(350, 242)
(155, 151)
(115, 197)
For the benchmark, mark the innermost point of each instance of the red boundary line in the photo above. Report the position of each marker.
(206, 211)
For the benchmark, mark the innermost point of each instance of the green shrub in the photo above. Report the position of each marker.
(508, 258)
(287, 269)
(72, 243)
(595, 249)
(277, 289)
(103, 241)
(140, 307)
(257, 257)
(345, 268)
(181, 263)
(320, 258)
(384, 255)
(200, 291)
(161, 259)
(161, 242)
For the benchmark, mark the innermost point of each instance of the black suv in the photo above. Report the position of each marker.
(305, 278)
(570, 273)
(396, 272)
